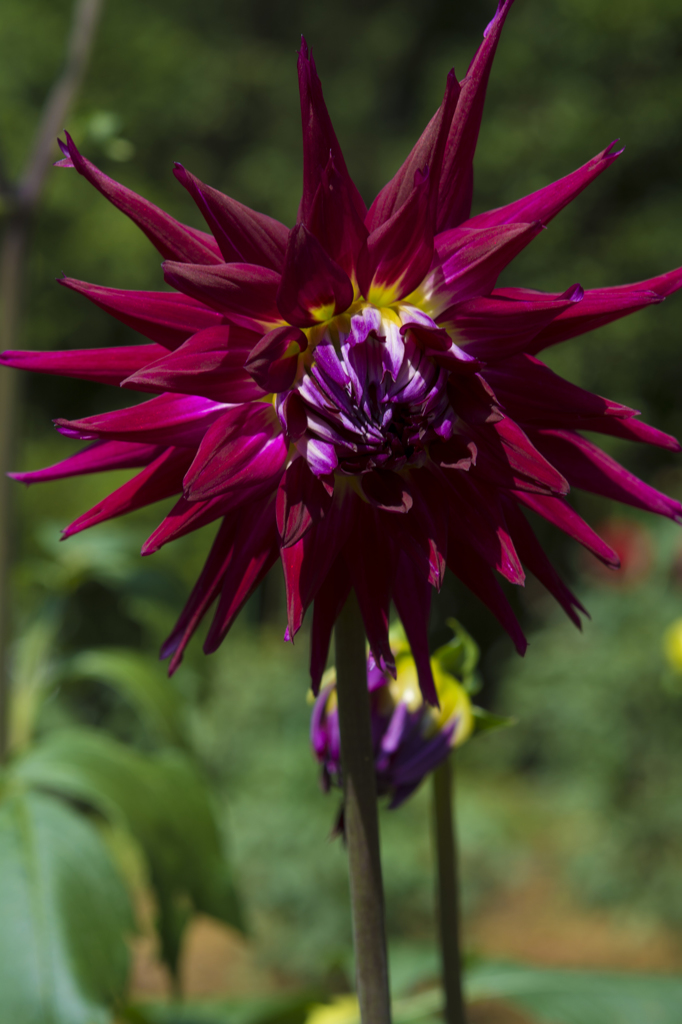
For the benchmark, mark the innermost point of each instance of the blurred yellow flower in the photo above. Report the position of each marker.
(344, 1010)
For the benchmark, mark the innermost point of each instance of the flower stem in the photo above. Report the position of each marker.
(360, 817)
(447, 891)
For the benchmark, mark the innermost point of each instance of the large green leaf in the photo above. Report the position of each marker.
(63, 916)
(163, 802)
(140, 680)
(582, 997)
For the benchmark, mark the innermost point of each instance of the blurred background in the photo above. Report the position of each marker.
(571, 821)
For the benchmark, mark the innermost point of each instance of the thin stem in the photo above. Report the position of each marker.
(360, 817)
(447, 891)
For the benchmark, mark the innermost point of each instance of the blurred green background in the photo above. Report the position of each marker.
(583, 795)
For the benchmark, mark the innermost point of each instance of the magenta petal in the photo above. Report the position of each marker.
(175, 241)
(476, 518)
(319, 139)
(161, 479)
(273, 361)
(544, 204)
(102, 365)
(301, 500)
(169, 419)
(243, 235)
(493, 327)
(313, 286)
(412, 598)
(631, 429)
(98, 457)
(427, 153)
(187, 516)
(243, 447)
(456, 180)
(335, 220)
(535, 559)
(243, 292)
(165, 317)
(211, 363)
(603, 305)
(255, 552)
(591, 469)
(468, 263)
(329, 601)
(558, 512)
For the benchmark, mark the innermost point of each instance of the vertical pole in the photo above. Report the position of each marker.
(360, 817)
(447, 893)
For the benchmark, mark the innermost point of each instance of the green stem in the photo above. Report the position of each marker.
(448, 891)
(360, 817)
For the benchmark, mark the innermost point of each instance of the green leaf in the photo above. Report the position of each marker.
(63, 916)
(484, 720)
(34, 670)
(581, 997)
(163, 802)
(286, 1009)
(142, 682)
(460, 656)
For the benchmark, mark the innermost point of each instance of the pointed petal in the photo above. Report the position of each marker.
(507, 457)
(334, 219)
(160, 479)
(469, 263)
(175, 241)
(313, 287)
(165, 317)
(412, 598)
(242, 448)
(255, 552)
(631, 429)
(535, 559)
(329, 601)
(96, 458)
(603, 305)
(427, 153)
(102, 365)
(372, 570)
(301, 501)
(319, 138)
(244, 293)
(558, 512)
(474, 572)
(590, 469)
(273, 360)
(169, 419)
(544, 204)
(243, 235)
(456, 180)
(209, 364)
(187, 516)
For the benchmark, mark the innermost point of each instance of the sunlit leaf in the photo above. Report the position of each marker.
(63, 916)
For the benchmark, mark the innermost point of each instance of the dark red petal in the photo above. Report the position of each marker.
(334, 219)
(165, 317)
(313, 287)
(173, 419)
(631, 429)
(187, 516)
(590, 469)
(427, 153)
(370, 561)
(301, 500)
(243, 235)
(456, 180)
(558, 512)
(268, 362)
(161, 479)
(398, 254)
(535, 559)
(329, 601)
(103, 365)
(412, 598)
(211, 363)
(255, 552)
(493, 327)
(603, 305)
(243, 447)
(98, 457)
(544, 204)
(319, 138)
(386, 490)
(243, 292)
(175, 241)
(507, 457)
(473, 571)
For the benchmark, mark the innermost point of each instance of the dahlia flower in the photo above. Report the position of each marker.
(410, 737)
(354, 396)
